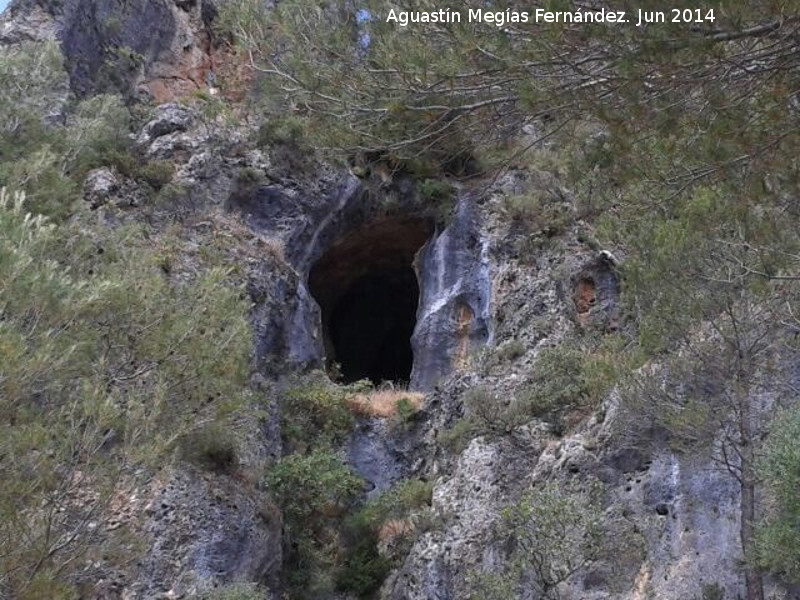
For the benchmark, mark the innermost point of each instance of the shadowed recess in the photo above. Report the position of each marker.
(368, 293)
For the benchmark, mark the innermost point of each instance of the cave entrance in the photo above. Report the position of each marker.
(368, 293)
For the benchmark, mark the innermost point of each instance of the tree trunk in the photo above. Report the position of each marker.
(753, 581)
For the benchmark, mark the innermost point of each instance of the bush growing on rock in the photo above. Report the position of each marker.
(547, 217)
(380, 534)
(778, 536)
(157, 173)
(510, 351)
(284, 130)
(105, 364)
(556, 530)
(315, 414)
(311, 488)
(45, 149)
(235, 591)
(485, 413)
(565, 378)
(314, 491)
(458, 437)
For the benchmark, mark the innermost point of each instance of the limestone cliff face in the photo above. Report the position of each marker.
(304, 234)
(158, 48)
(453, 320)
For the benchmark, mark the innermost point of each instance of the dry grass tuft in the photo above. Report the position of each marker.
(383, 403)
(249, 241)
(394, 529)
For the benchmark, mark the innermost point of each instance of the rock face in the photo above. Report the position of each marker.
(672, 518)
(160, 48)
(201, 530)
(453, 318)
(596, 292)
(100, 186)
(348, 219)
(169, 118)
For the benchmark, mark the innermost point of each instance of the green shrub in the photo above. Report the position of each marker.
(211, 447)
(172, 196)
(565, 378)
(96, 132)
(315, 414)
(310, 488)
(556, 529)
(281, 130)
(364, 568)
(105, 364)
(484, 414)
(314, 491)
(510, 351)
(436, 189)
(397, 502)
(439, 198)
(541, 217)
(491, 414)
(406, 410)
(33, 85)
(712, 591)
(46, 149)
(157, 173)
(778, 534)
(123, 161)
(458, 437)
(42, 174)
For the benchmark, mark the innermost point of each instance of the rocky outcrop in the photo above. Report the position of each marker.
(203, 530)
(159, 48)
(168, 118)
(453, 317)
(100, 186)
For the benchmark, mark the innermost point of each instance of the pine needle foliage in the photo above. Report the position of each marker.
(105, 364)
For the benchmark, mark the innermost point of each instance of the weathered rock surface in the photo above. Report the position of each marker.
(204, 530)
(100, 186)
(168, 118)
(161, 48)
(453, 318)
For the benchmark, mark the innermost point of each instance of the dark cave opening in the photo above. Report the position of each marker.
(368, 293)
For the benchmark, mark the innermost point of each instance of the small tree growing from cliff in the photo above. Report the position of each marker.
(314, 492)
(555, 530)
(712, 285)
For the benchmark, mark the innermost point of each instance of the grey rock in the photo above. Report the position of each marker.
(205, 529)
(101, 186)
(139, 48)
(169, 118)
(23, 22)
(453, 318)
(107, 42)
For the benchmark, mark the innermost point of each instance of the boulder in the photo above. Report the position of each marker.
(169, 118)
(100, 187)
